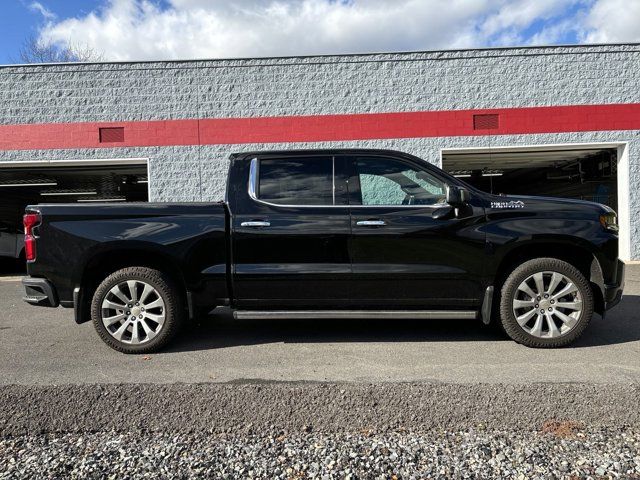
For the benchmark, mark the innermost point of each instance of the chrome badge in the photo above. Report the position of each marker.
(510, 204)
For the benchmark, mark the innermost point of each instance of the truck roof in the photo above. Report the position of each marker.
(321, 151)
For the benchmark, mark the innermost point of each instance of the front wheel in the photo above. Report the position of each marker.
(546, 302)
(137, 310)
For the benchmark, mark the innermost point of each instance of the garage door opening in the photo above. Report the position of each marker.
(585, 174)
(64, 182)
(597, 173)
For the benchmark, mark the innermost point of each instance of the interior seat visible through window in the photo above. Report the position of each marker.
(385, 181)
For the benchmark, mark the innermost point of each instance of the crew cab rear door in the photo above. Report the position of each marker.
(291, 226)
(403, 255)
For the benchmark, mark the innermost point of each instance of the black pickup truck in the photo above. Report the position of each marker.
(328, 234)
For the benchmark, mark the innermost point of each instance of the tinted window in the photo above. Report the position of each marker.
(385, 181)
(296, 181)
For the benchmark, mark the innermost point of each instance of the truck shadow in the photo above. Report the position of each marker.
(621, 325)
(10, 266)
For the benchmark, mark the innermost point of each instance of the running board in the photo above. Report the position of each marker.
(338, 314)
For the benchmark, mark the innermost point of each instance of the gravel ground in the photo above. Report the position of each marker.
(564, 451)
(295, 430)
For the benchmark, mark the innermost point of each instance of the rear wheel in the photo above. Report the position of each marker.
(546, 302)
(137, 310)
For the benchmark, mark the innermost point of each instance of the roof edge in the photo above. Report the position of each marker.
(332, 55)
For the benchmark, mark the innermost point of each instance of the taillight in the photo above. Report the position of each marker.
(29, 221)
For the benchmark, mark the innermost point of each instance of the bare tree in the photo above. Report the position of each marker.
(35, 51)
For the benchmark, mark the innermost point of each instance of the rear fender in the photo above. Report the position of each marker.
(109, 257)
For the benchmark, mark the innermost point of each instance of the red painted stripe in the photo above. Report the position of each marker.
(315, 128)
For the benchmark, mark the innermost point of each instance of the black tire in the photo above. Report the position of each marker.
(519, 275)
(173, 310)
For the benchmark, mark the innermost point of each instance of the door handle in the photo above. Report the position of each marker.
(256, 223)
(371, 223)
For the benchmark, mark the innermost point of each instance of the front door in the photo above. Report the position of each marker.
(291, 229)
(401, 254)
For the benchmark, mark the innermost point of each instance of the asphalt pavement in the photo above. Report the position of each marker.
(43, 346)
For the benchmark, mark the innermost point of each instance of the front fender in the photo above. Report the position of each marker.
(512, 238)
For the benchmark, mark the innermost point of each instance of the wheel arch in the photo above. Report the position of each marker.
(577, 255)
(107, 261)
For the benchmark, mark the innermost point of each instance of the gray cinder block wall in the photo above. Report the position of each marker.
(268, 87)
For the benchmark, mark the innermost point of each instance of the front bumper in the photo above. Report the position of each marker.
(613, 292)
(40, 291)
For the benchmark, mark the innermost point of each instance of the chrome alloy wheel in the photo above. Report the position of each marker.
(133, 312)
(547, 305)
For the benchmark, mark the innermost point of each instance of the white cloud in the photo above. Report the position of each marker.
(611, 21)
(42, 10)
(519, 14)
(142, 29)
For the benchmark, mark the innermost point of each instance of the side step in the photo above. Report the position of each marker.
(337, 314)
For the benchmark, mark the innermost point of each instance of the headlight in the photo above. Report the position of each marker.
(609, 221)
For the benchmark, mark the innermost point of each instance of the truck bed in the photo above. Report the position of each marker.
(75, 240)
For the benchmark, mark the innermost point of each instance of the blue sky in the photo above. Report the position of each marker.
(169, 29)
(19, 20)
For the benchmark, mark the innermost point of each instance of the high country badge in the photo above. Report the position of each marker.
(510, 204)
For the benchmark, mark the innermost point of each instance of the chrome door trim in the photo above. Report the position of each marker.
(256, 223)
(371, 223)
(253, 178)
(254, 171)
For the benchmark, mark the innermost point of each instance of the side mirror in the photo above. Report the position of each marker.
(457, 196)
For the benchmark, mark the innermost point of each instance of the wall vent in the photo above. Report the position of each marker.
(486, 121)
(112, 135)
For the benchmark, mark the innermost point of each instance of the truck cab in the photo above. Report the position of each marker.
(357, 230)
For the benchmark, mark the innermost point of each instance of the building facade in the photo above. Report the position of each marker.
(183, 119)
